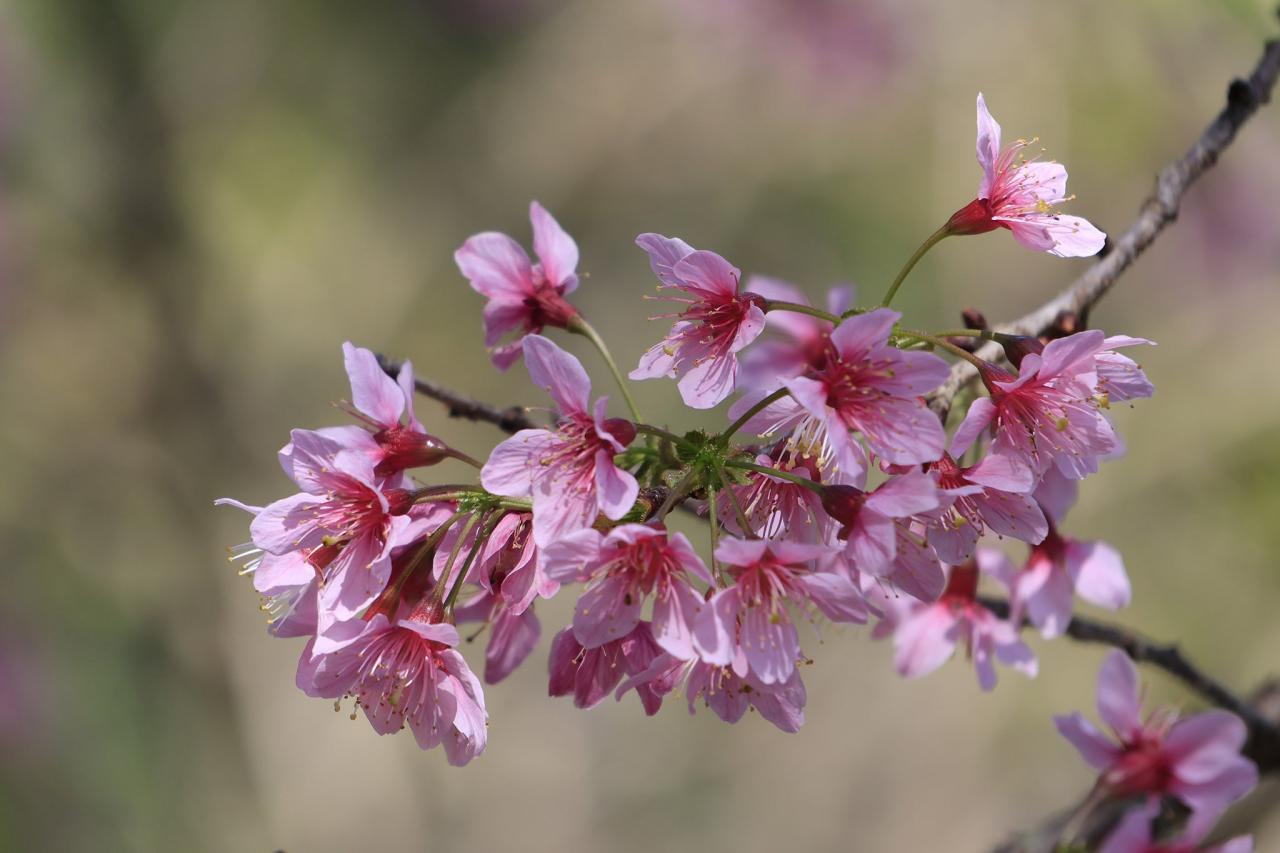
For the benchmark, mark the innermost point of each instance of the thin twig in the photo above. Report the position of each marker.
(1158, 211)
(511, 419)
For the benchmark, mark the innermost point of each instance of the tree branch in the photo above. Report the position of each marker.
(1158, 211)
(511, 419)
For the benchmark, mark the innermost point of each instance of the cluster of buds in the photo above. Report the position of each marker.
(851, 503)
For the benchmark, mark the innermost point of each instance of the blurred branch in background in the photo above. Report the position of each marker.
(1244, 97)
(510, 419)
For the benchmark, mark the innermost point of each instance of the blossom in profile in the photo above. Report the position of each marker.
(623, 570)
(865, 386)
(524, 297)
(718, 320)
(1135, 834)
(1196, 759)
(568, 470)
(926, 635)
(1047, 415)
(591, 674)
(1022, 195)
(401, 673)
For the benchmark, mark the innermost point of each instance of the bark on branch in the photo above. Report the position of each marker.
(510, 419)
(1244, 97)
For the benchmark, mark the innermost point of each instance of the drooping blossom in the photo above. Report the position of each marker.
(402, 672)
(748, 625)
(776, 507)
(512, 635)
(509, 565)
(991, 493)
(568, 470)
(385, 405)
(622, 571)
(1046, 415)
(925, 636)
(1021, 195)
(592, 674)
(802, 342)
(726, 693)
(877, 532)
(1057, 569)
(866, 386)
(1196, 759)
(345, 511)
(1134, 834)
(719, 320)
(524, 297)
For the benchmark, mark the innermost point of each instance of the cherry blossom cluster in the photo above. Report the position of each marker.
(833, 493)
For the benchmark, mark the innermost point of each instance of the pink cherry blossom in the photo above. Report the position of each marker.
(512, 635)
(1020, 195)
(777, 508)
(748, 625)
(866, 386)
(385, 405)
(726, 693)
(509, 565)
(523, 297)
(592, 674)
(622, 571)
(568, 470)
(803, 343)
(1057, 569)
(1196, 759)
(406, 672)
(344, 505)
(288, 583)
(878, 536)
(1134, 834)
(1047, 415)
(991, 493)
(925, 636)
(1120, 378)
(718, 321)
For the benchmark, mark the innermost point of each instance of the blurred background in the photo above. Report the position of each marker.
(202, 200)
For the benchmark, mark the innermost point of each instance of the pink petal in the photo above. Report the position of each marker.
(712, 637)
(287, 525)
(606, 611)
(511, 465)
(1002, 472)
(1200, 747)
(905, 495)
(664, 253)
(979, 416)
(373, 392)
(616, 490)
(708, 383)
(1119, 701)
(558, 373)
(858, 335)
(707, 274)
(770, 643)
(568, 559)
(674, 616)
(924, 642)
(554, 248)
(835, 595)
(1099, 574)
(988, 147)
(1070, 355)
(1046, 592)
(1008, 514)
(1073, 236)
(495, 265)
(1031, 233)
(1097, 751)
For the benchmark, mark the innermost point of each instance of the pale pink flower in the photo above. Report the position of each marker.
(1020, 195)
(406, 672)
(523, 297)
(1134, 834)
(1196, 759)
(803, 343)
(925, 636)
(510, 565)
(592, 674)
(991, 493)
(726, 693)
(1047, 415)
(877, 533)
(1057, 569)
(1120, 378)
(718, 321)
(622, 571)
(747, 625)
(287, 583)
(866, 386)
(343, 505)
(568, 470)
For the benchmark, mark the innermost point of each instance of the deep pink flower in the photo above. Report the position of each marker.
(622, 570)
(747, 625)
(877, 531)
(1059, 568)
(1048, 414)
(343, 506)
(864, 385)
(592, 674)
(1020, 195)
(568, 470)
(992, 494)
(925, 636)
(1196, 759)
(722, 690)
(1134, 834)
(717, 322)
(523, 297)
(513, 634)
(774, 507)
(510, 566)
(406, 672)
(803, 345)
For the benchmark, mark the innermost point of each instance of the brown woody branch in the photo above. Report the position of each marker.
(1244, 97)
(510, 419)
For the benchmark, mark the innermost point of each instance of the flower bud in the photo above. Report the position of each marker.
(623, 430)
(1018, 347)
(404, 448)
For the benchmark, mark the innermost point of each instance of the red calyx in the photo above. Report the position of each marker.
(1018, 347)
(405, 448)
(621, 429)
(962, 585)
(398, 501)
(973, 218)
(549, 308)
(843, 503)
